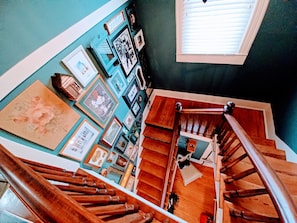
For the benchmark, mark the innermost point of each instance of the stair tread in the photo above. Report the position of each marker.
(162, 112)
(271, 151)
(151, 180)
(151, 168)
(151, 192)
(148, 198)
(157, 146)
(157, 133)
(154, 157)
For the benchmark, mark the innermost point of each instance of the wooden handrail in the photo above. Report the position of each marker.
(283, 202)
(48, 203)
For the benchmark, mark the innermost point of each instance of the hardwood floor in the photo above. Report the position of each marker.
(196, 197)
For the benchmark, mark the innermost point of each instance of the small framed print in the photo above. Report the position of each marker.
(81, 66)
(131, 93)
(112, 132)
(132, 18)
(98, 102)
(117, 83)
(115, 22)
(122, 143)
(111, 157)
(135, 108)
(121, 161)
(129, 149)
(80, 142)
(129, 120)
(139, 40)
(97, 156)
(125, 50)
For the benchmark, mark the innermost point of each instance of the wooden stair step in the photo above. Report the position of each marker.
(157, 146)
(154, 157)
(271, 151)
(152, 192)
(284, 167)
(153, 169)
(162, 112)
(148, 198)
(264, 141)
(151, 180)
(157, 133)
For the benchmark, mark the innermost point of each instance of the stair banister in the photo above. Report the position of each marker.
(45, 200)
(284, 204)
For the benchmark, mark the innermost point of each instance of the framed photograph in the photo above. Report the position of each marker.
(111, 132)
(122, 143)
(114, 174)
(139, 40)
(98, 102)
(129, 149)
(81, 66)
(134, 153)
(97, 156)
(115, 22)
(131, 93)
(132, 18)
(121, 161)
(135, 108)
(39, 116)
(125, 50)
(129, 120)
(117, 82)
(111, 157)
(80, 142)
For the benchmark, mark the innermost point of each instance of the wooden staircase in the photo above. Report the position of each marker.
(153, 176)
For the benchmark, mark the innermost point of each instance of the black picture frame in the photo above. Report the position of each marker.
(131, 93)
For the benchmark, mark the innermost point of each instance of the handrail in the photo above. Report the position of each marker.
(48, 203)
(285, 206)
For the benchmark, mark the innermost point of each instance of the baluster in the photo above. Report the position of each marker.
(230, 152)
(235, 161)
(252, 216)
(241, 175)
(86, 190)
(244, 193)
(115, 209)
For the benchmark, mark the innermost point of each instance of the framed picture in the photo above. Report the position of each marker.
(114, 174)
(129, 120)
(125, 50)
(121, 161)
(81, 141)
(104, 54)
(132, 18)
(139, 40)
(115, 22)
(98, 102)
(129, 149)
(134, 153)
(122, 143)
(111, 132)
(81, 66)
(117, 83)
(135, 108)
(39, 116)
(112, 157)
(97, 156)
(131, 93)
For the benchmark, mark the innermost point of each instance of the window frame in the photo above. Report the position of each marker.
(234, 59)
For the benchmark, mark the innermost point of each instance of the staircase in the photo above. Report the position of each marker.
(153, 177)
(242, 196)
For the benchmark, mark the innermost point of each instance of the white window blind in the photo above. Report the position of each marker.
(217, 27)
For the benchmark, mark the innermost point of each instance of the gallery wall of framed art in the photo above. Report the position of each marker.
(97, 127)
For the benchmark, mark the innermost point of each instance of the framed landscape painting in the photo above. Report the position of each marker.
(98, 102)
(111, 132)
(39, 116)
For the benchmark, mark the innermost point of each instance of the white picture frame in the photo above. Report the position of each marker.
(80, 65)
(139, 40)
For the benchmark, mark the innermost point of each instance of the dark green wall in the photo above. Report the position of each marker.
(268, 75)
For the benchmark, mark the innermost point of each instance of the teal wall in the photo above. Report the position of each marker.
(268, 75)
(27, 25)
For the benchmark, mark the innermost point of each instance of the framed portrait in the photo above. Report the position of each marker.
(111, 132)
(129, 149)
(125, 50)
(115, 22)
(117, 83)
(122, 143)
(129, 120)
(122, 162)
(98, 102)
(132, 18)
(104, 54)
(96, 156)
(81, 66)
(131, 93)
(135, 108)
(38, 115)
(139, 40)
(81, 141)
